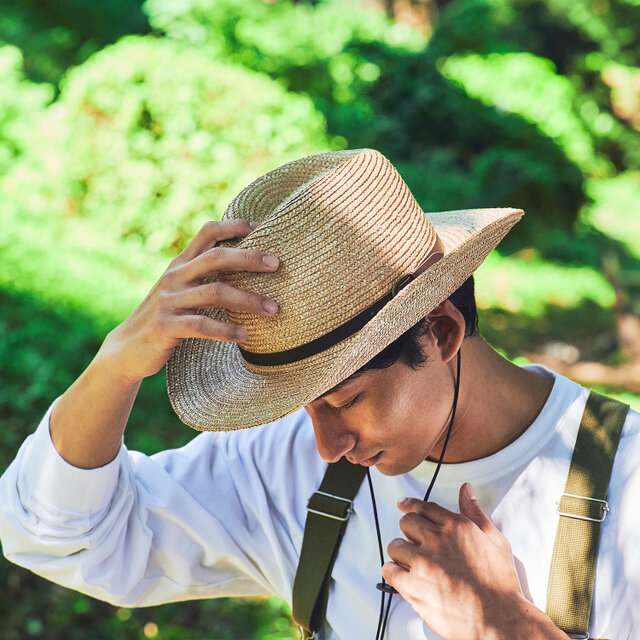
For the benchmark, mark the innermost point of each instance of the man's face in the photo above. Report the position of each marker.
(392, 418)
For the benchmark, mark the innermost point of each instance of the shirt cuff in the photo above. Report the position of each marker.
(49, 479)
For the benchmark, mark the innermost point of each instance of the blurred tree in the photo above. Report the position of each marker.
(380, 84)
(150, 138)
(21, 104)
(417, 13)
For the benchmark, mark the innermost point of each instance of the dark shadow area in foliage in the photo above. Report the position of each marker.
(56, 35)
(566, 38)
(32, 607)
(586, 245)
(43, 349)
(587, 326)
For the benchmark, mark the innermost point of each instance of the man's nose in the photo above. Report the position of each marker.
(332, 439)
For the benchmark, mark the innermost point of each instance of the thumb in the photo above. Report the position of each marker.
(470, 508)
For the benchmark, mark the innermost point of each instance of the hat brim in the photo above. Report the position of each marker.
(212, 388)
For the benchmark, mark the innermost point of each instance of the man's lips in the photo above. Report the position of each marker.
(367, 462)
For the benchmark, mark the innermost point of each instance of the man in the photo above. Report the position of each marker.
(334, 309)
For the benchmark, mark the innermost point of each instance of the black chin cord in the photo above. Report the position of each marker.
(383, 587)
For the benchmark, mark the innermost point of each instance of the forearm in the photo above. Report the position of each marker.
(88, 421)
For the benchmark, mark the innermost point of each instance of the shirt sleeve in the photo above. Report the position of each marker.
(195, 522)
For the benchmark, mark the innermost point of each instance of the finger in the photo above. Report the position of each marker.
(417, 529)
(401, 551)
(429, 510)
(394, 574)
(201, 326)
(211, 233)
(221, 294)
(227, 259)
(470, 508)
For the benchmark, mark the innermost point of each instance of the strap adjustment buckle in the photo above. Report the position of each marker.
(589, 511)
(303, 634)
(330, 506)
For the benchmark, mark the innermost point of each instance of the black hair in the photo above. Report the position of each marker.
(407, 347)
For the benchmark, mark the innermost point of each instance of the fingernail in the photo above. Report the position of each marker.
(403, 501)
(470, 493)
(242, 334)
(254, 225)
(271, 261)
(269, 306)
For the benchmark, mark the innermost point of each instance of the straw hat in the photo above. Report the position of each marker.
(360, 263)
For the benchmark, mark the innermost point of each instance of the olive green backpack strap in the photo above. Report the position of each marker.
(582, 508)
(328, 512)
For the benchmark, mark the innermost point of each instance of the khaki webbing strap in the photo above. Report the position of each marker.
(582, 508)
(328, 512)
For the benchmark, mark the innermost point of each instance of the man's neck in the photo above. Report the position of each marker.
(498, 401)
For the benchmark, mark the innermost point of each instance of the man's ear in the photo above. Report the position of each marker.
(447, 328)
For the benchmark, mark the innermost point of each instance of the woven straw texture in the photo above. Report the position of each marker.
(344, 225)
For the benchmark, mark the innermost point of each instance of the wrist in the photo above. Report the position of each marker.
(103, 368)
(110, 366)
(527, 622)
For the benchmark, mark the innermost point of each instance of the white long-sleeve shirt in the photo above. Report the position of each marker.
(224, 516)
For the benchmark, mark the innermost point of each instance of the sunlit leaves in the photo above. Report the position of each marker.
(529, 86)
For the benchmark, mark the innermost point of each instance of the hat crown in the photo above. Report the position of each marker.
(344, 225)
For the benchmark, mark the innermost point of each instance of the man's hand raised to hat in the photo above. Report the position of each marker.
(143, 343)
(457, 572)
(89, 419)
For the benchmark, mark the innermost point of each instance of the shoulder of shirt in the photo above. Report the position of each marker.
(573, 391)
(630, 438)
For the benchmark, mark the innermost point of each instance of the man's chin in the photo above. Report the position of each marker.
(395, 469)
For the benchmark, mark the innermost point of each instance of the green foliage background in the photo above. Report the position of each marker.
(124, 126)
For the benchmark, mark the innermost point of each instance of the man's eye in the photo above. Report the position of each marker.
(349, 404)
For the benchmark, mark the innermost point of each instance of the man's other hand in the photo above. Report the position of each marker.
(458, 574)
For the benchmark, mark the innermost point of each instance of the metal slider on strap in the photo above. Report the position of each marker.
(330, 506)
(303, 635)
(603, 505)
